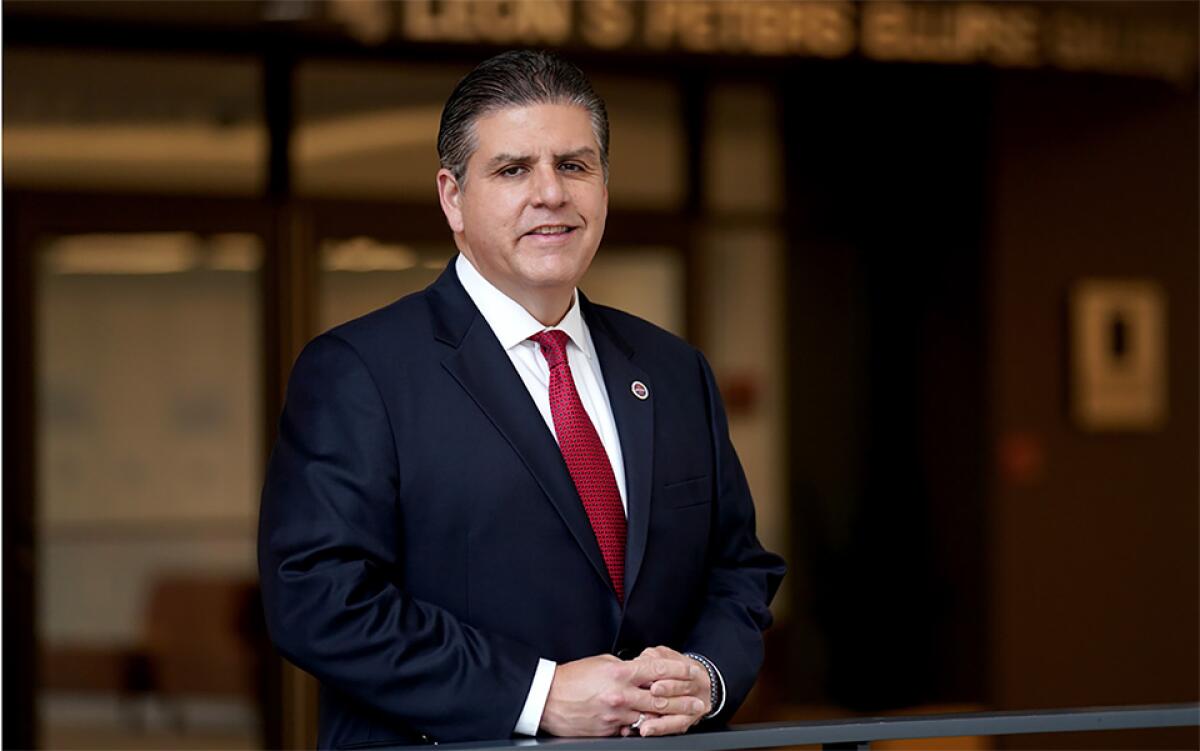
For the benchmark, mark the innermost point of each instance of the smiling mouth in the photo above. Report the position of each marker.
(551, 230)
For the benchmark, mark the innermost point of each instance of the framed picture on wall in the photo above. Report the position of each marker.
(1118, 355)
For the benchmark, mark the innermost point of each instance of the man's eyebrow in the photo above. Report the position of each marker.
(582, 151)
(499, 159)
(496, 161)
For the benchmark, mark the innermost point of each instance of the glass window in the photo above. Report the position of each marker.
(743, 154)
(74, 119)
(741, 250)
(360, 274)
(646, 149)
(369, 129)
(148, 472)
(648, 282)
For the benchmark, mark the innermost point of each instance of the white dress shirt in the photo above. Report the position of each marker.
(513, 325)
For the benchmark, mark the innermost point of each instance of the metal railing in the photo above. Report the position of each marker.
(859, 733)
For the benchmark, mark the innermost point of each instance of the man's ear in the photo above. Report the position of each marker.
(450, 194)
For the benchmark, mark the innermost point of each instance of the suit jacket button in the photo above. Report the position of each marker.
(627, 653)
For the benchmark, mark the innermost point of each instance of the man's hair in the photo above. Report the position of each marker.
(518, 78)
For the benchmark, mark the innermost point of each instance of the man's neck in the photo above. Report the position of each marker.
(549, 305)
(549, 311)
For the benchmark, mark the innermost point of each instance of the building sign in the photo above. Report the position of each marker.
(1070, 36)
(1118, 354)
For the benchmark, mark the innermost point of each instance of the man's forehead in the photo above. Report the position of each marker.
(582, 152)
(536, 128)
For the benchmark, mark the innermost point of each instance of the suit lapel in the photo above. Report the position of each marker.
(486, 373)
(635, 425)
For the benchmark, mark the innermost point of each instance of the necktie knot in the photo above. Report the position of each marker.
(554, 346)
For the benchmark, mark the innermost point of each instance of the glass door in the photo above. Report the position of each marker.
(140, 377)
(148, 464)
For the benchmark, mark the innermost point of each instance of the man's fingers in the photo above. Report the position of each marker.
(672, 669)
(667, 725)
(663, 705)
(674, 688)
(647, 670)
(634, 700)
(621, 717)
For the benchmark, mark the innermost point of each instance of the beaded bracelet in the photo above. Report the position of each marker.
(713, 682)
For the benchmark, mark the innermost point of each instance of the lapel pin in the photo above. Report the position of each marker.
(639, 390)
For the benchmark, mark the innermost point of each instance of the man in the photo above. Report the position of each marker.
(494, 507)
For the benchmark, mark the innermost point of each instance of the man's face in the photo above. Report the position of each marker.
(530, 212)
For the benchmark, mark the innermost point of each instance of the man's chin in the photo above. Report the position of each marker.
(551, 283)
(550, 272)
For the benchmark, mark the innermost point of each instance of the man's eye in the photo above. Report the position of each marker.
(571, 167)
(512, 171)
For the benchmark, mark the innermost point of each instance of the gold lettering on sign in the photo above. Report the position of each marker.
(1003, 35)
(497, 21)
(733, 21)
(883, 34)
(525, 21)
(1010, 34)
(754, 27)
(550, 19)
(690, 25)
(494, 21)
(1079, 42)
(658, 25)
(607, 24)
(951, 33)
(759, 27)
(821, 29)
(1166, 53)
(697, 27)
(445, 22)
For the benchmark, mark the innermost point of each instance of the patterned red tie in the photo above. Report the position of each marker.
(587, 462)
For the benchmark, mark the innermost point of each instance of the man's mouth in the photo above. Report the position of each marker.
(551, 229)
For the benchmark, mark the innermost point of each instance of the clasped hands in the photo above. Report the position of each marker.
(603, 695)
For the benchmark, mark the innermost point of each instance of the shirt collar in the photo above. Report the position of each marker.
(511, 323)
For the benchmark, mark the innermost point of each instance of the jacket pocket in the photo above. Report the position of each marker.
(693, 492)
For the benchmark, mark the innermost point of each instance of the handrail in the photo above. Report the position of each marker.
(858, 733)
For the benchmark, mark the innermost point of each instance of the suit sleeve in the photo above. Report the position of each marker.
(742, 576)
(330, 567)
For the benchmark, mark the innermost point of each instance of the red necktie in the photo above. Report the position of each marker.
(587, 462)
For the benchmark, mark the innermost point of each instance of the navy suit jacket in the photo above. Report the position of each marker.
(421, 543)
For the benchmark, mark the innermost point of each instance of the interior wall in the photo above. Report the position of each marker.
(886, 329)
(957, 538)
(1094, 535)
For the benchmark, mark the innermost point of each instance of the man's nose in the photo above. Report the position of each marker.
(548, 187)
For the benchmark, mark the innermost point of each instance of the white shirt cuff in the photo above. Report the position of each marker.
(535, 702)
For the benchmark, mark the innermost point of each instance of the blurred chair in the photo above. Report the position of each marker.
(205, 637)
(93, 669)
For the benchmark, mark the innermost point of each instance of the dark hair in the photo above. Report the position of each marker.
(518, 78)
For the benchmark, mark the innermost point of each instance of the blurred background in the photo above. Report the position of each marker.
(943, 257)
